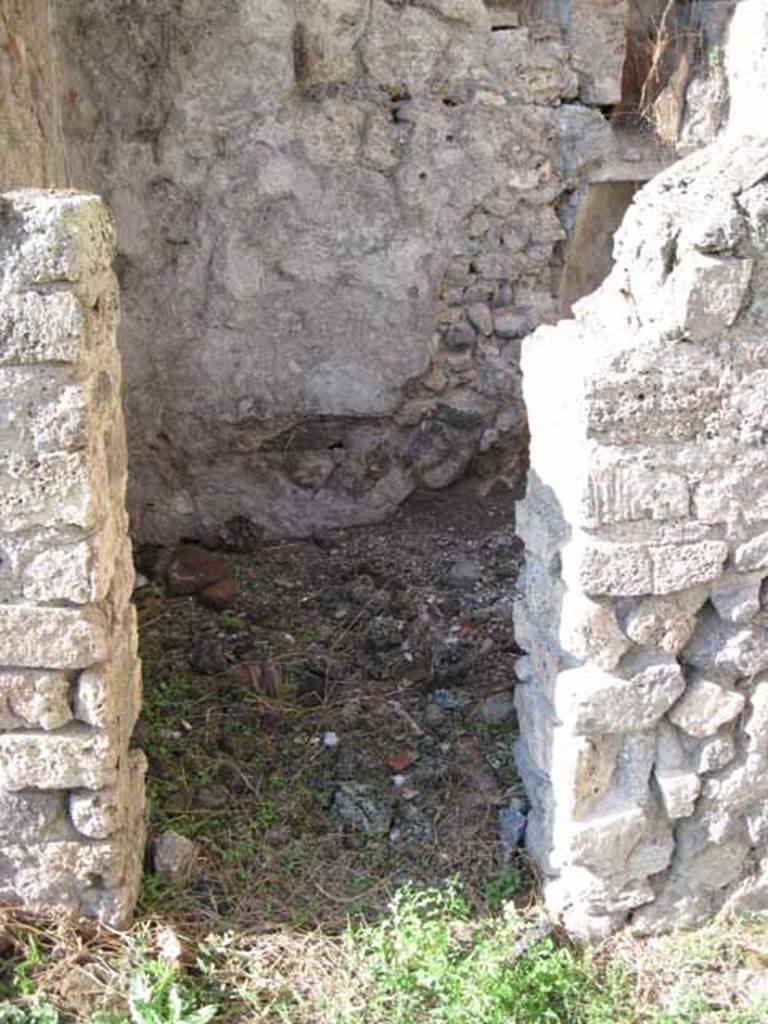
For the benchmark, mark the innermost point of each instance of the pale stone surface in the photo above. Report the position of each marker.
(39, 328)
(756, 726)
(62, 489)
(711, 291)
(737, 600)
(714, 752)
(34, 699)
(589, 630)
(78, 573)
(57, 637)
(71, 794)
(593, 701)
(175, 857)
(679, 790)
(30, 818)
(66, 759)
(730, 651)
(69, 238)
(624, 489)
(98, 814)
(611, 569)
(660, 623)
(110, 691)
(705, 706)
(583, 766)
(407, 168)
(753, 554)
(678, 566)
(598, 31)
(635, 569)
(642, 605)
(746, 53)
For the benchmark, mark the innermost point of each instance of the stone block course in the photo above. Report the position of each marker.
(65, 759)
(33, 636)
(644, 708)
(71, 792)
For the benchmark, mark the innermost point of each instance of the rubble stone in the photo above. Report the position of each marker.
(174, 857)
(643, 714)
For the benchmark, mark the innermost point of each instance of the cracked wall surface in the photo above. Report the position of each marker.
(642, 706)
(32, 95)
(337, 220)
(71, 791)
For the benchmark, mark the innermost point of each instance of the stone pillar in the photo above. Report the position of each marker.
(643, 704)
(71, 792)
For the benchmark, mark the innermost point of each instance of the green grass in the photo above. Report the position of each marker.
(158, 995)
(427, 961)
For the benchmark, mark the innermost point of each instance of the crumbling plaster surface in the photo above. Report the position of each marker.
(32, 150)
(337, 221)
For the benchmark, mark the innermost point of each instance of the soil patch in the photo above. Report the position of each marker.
(346, 724)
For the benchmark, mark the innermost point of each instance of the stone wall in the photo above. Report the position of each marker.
(32, 95)
(71, 792)
(337, 219)
(643, 705)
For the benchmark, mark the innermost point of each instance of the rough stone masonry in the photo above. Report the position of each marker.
(644, 703)
(71, 792)
(337, 220)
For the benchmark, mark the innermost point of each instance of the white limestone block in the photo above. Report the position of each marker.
(610, 569)
(705, 706)
(712, 753)
(589, 631)
(62, 489)
(727, 651)
(581, 771)
(30, 699)
(737, 600)
(756, 726)
(589, 700)
(68, 759)
(708, 293)
(679, 790)
(110, 691)
(623, 487)
(661, 623)
(32, 637)
(679, 566)
(98, 814)
(753, 554)
(57, 237)
(37, 328)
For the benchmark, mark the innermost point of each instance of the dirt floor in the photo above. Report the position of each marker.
(328, 721)
(346, 723)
